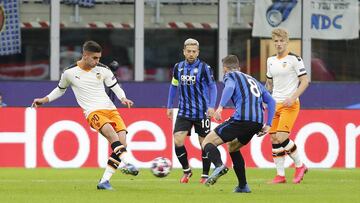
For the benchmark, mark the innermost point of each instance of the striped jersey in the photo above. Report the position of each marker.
(247, 96)
(285, 73)
(193, 82)
(88, 86)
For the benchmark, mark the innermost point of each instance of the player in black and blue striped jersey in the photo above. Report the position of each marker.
(194, 81)
(248, 96)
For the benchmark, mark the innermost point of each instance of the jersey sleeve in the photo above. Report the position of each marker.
(268, 72)
(109, 78)
(209, 74)
(64, 81)
(299, 66)
(227, 91)
(261, 87)
(175, 77)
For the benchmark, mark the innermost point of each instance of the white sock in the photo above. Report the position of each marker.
(279, 163)
(294, 155)
(125, 157)
(109, 171)
(279, 160)
(122, 164)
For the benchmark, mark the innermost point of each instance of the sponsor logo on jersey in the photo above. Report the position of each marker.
(188, 79)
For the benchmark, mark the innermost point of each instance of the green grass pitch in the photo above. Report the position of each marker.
(79, 185)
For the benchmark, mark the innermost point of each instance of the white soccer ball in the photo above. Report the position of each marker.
(160, 167)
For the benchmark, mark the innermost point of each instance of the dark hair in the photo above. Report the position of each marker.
(231, 62)
(92, 46)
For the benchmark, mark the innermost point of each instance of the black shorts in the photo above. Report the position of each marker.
(242, 130)
(202, 126)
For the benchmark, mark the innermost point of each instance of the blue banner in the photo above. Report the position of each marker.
(10, 35)
(323, 95)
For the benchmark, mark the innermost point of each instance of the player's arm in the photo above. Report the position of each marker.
(171, 96)
(271, 106)
(303, 84)
(112, 83)
(172, 91)
(269, 84)
(120, 94)
(213, 90)
(269, 79)
(225, 97)
(55, 94)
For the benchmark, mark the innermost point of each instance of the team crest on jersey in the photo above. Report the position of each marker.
(196, 70)
(284, 64)
(98, 76)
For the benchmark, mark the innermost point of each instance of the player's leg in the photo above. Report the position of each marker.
(119, 149)
(126, 168)
(114, 161)
(246, 131)
(103, 122)
(278, 152)
(209, 145)
(202, 128)
(285, 126)
(181, 130)
(238, 165)
(205, 163)
(223, 133)
(120, 128)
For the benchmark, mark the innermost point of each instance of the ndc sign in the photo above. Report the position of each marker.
(323, 22)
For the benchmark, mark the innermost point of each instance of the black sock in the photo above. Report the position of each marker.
(239, 167)
(182, 156)
(118, 148)
(205, 163)
(114, 161)
(213, 154)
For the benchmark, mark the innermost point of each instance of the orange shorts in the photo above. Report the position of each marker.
(285, 117)
(99, 118)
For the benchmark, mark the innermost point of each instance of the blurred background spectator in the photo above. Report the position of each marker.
(2, 104)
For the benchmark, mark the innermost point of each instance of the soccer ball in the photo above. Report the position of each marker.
(160, 167)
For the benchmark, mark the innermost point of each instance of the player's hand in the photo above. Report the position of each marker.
(127, 102)
(217, 114)
(169, 113)
(210, 112)
(265, 130)
(288, 102)
(39, 101)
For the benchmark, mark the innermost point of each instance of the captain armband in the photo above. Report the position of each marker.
(174, 82)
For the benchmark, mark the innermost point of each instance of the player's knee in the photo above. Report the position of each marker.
(282, 136)
(205, 142)
(274, 138)
(178, 140)
(178, 143)
(233, 146)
